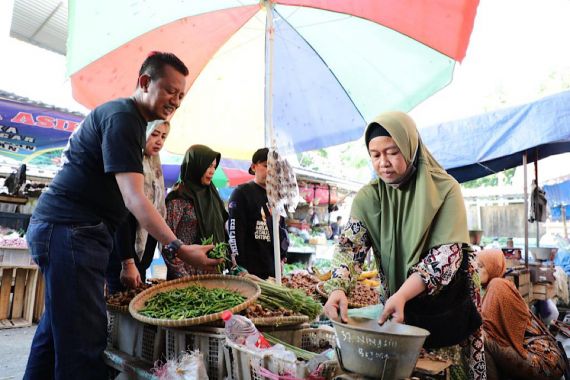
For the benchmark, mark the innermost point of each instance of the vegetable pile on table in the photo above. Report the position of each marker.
(275, 296)
(363, 295)
(124, 298)
(190, 302)
(304, 282)
(258, 311)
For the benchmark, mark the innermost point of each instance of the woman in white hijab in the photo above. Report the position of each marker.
(133, 247)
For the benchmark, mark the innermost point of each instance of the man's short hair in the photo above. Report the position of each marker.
(338, 218)
(154, 64)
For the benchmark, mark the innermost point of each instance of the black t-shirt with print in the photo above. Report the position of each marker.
(110, 140)
(251, 230)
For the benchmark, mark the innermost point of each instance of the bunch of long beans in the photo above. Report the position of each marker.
(274, 296)
(193, 301)
(299, 352)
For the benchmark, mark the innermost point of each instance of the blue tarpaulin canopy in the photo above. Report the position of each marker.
(558, 196)
(485, 144)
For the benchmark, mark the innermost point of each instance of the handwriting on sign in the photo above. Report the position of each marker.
(372, 355)
(368, 340)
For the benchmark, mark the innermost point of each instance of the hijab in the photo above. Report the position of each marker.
(423, 211)
(208, 205)
(505, 314)
(153, 188)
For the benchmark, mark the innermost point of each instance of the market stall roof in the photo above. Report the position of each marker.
(42, 23)
(485, 144)
(22, 99)
(313, 176)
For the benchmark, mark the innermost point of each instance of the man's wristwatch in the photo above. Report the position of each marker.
(169, 251)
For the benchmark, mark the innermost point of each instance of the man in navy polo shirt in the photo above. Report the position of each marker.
(71, 231)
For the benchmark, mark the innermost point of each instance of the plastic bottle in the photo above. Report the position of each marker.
(241, 330)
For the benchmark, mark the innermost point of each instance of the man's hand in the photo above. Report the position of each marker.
(337, 303)
(130, 276)
(196, 255)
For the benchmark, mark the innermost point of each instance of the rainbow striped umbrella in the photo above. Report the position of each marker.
(230, 173)
(308, 73)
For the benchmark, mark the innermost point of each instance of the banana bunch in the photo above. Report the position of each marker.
(322, 276)
(369, 278)
(371, 283)
(368, 275)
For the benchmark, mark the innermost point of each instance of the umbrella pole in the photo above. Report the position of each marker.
(525, 210)
(536, 181)
(269, 131)
(563, 213)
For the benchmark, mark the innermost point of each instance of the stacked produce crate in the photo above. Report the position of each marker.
(18, 279)
(521, 279)
(542, 279)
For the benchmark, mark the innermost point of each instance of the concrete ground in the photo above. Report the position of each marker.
(14, 349)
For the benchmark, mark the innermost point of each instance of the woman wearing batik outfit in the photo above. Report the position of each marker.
(413, 217)
(134, 248)
(194, 209)
(517, 344)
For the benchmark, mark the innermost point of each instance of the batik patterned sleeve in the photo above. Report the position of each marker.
(439, 266)
(174, 213)
(349, 255)
(474, 347)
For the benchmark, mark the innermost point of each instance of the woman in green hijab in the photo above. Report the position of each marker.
(194, 209)
(413, 218)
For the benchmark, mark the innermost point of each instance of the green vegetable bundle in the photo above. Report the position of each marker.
(220, 251)
(299, 352)
(191, 302)
(274, 296)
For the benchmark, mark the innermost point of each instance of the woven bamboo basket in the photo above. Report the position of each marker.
(280, 321)
(351, 304)
(118, 309)
(270, 321)
(243, 286)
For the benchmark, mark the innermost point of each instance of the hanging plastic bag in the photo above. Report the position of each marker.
(547, 310)
(188, 366)
(537, 204)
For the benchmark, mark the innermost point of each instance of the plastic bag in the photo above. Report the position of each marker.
(368, 312)
(188, 366)
(547, 311)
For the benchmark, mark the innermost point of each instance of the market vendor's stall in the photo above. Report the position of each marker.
(202, 345)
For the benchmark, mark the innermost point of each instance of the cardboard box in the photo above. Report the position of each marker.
(513, 263)
(519, 277)
(541, 274)
(524, 289)
(524, 277)
(543, 291)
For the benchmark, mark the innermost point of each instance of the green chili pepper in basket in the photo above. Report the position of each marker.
(193, 301)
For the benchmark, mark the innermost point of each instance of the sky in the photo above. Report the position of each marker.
(515, 47)
(518, 52)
